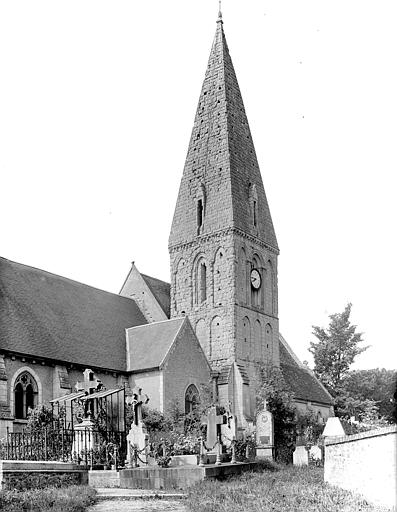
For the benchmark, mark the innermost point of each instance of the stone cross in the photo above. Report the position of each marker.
(214, 422)
(90, 383)
(138, 400)
(89, 386)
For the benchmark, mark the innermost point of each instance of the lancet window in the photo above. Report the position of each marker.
(25, 394)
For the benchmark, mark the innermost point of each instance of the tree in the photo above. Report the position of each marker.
(334, 352)
(375, 385)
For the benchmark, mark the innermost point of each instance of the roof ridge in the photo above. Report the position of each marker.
(64, 278)
(172, 342)
(157, 322)
(156, 278)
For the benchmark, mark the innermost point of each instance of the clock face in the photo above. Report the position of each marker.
(255, 278)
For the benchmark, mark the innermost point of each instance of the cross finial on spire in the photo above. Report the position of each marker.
(220, 10)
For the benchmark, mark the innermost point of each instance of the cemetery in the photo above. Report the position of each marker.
(84, 439)
(104, 438)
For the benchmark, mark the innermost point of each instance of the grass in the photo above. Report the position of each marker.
(289, 489)
(67, 499)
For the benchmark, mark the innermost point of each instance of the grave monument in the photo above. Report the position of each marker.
(83, 438)
(137, 438)
(211, 450)
(265, 434)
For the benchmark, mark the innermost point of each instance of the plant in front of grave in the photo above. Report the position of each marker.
(271, 387)
(40, 419)
(244, 449)
(308, 427)
(176, 433)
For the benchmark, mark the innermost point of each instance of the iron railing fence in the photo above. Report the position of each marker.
(86, 446)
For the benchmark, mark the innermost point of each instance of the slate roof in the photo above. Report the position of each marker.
(149, 344)
(161, 290)
(300, 381)
(49, 316)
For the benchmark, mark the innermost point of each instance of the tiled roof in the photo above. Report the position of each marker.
(161, 290)
(49, 316)
(303, 384)
(149, 344)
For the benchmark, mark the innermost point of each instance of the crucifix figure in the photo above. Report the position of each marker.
(138, 400)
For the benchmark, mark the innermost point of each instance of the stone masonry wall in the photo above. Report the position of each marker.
(213, 318)
(365, 463)
(221, 319)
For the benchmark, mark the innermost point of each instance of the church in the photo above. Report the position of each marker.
(214, 322)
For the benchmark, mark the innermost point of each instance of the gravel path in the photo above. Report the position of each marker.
(138, 505)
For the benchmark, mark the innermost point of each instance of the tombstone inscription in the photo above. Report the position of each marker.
(264, 434)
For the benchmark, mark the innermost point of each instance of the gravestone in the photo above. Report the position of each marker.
(83, 440)
(229, 429)
(315, 453)
(214, 420)
(89, 385)
(333, 428)
(137, 438)
(264, 434)
(300, 456)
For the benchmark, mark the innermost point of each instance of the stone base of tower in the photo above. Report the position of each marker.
(237, 394)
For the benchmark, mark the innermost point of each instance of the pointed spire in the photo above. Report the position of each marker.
(221, 165)
(220, 12)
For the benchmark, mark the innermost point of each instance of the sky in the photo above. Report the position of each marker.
(97, 102)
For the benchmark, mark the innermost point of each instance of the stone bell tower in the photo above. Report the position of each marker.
(223, 248)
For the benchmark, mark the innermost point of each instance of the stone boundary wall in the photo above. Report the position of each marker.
(23, 474)
(365, 463)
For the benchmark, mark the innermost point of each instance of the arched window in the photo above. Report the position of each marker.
(242, 276)
(200, 205)
(192, 398)
(268, 348)
(246, 349)
(253, 199)
(200, 280)
(219, 271)
(25, 394)
(258, 340)
(216, 337)
(270, 288)
(203, 282)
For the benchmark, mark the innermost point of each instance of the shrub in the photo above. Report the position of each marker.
(245, 449)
